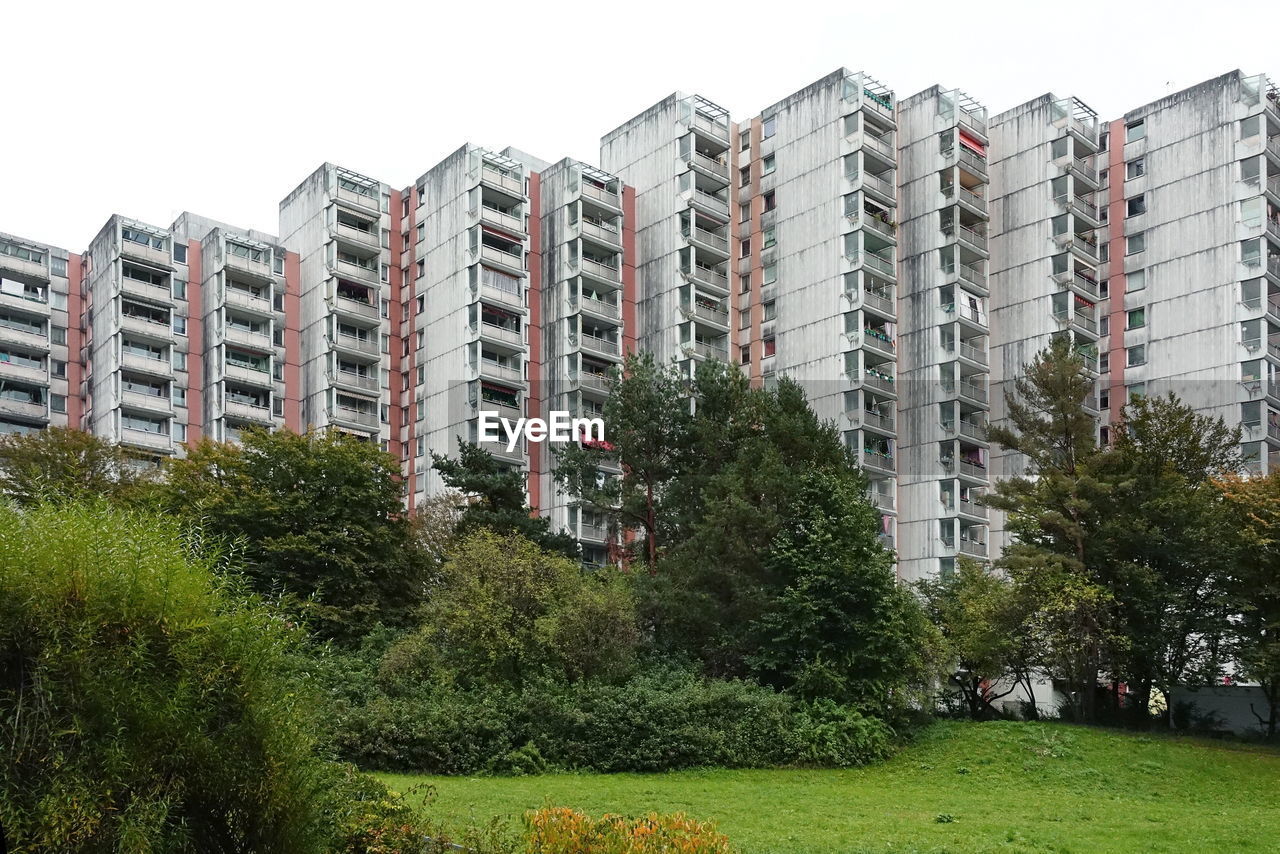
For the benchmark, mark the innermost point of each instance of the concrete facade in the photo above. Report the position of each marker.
(901, 259)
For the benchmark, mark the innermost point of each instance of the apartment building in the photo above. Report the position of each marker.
(1191, 255)
(943, 346)
(40, 367)
(1044, 269)
(901, 259)
(680, 157)
(817, 211)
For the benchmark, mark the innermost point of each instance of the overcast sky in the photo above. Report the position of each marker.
(150, 108)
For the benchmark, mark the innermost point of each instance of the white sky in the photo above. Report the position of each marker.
(150, 108)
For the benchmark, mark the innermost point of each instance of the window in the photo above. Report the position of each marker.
(1136, 206)
(179, 324)
(770, 310)
(386, 203)
(770, 201)
(1104, 362)
(744, 212)
(768, 164)
(770, 273)
(179, 431)
(180, 252)
(277, 262)
(58, 402)
(179, 289)
(58, 267)
(1135, 130)
(744, 247)
(746, 283)
(769, 127)
(59, 368)
(1137, 390)
(1135, 243)
(1104, 325)
(1135, 168)
(179, 360)
(1135, 318)
(1136, 356)
(744, 354)
(384, 273)
(770, 346)
(744, 141)
(58, 301)
(178, 395)
(1104, 399)
(1059, 147)
(58, 335)
(1103, 139)
(770, 237)
(744, 176)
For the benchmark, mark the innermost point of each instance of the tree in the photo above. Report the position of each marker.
(839, 627)
(1254, 508)
(506, 610)
(61, 464)
(984, 625)
(315, 516)
(145, 703)
(647, 421)
(492, 497)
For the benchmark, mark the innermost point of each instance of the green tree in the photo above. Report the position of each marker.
(646, 421)
(984, 624)
(1253, 505)
(315, 516)
(505, 611)
(492, 496)
(145, 704)
(61, 464)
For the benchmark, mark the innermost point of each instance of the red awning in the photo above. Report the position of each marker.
(972, 143)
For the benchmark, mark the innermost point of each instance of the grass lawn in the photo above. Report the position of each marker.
(1007, 787)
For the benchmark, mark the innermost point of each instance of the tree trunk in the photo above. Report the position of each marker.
(650, 524)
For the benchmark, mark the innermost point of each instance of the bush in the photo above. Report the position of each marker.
(147, 705)
(559, 830)
(659, 720)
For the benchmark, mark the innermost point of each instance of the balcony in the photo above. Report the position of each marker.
(708, 241)
(504, 259)
(248, 412)
(974, 241)
(874, 186)
(147, 254)
(601, 233)
(599, 271)
(879, 341)
(881, 422)
(146, 365)
(368, 275)
(502, 181)
(24, 304)
(353, 236)
(968, 161)
(973, 547)
(22, 338)
(156, 404)
(367, 347)
(602, 196)
(24, 373)
(1081, 208)
(713, 206)
(706, 125)
(878, 226)
(249, 339)
(500, 410)
(242, 299)
(603, 346)
(501, 335)
(24, 409)
(716, 315)
(975, 430)
(876, 380)
(511, 223)
(967, 199)
(878, 461)
(357, 309)
(703, 350)
(248, 376)
(601, 383)
(353, 419)
(883, 146)
(368, 202)
(24, 269)
(970, 353)
(493, 370)
(593, 533)
(877, 263)
(881, 500)
(974, 277)
(162, 294)
(973, 471)
(258, 269)
(1085, 287)
(498, 450)
(710, 278)
(598, 307)
(976, 511)
(1082, 171)
(510, 297)
(1085, 248)
(351, 381)
(150, 329)
(146, 440)
(709, 166)
(876, 301)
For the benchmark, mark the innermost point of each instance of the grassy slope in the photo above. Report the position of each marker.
(1010, 787)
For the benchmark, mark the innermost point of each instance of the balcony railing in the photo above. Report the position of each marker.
(875, 381)
(245, 374)
(358, 417)
(878, 144)
(975, 164)
(976, 239)
(710, 276)
(511, 183)
(866, 179)
(23, 408)
(363, 382)
(505, 296)
(714, 128)
(368, 345)
(878, 460)
(596, 382)
(716, 203)
(973, 429)
(138, 362)
(355, 235)
(972, 509)
(599, 345)
(973, 469)
(973, 547)
(710, 164)
(873, 261)
(878, 341)
(506, 257)
(968, 196)
(601, 194)
(875, 420)
(240, 298)
(875, 300)
(709, 351)
(490, 368)
(714, 314)
(604, 233)
(600, 307)
(973, 354)
(501, 219)
(600, 270)
(501, 333)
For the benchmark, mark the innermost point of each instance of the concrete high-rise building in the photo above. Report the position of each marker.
(902, 259)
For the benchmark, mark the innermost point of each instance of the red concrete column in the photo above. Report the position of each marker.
(77, 357)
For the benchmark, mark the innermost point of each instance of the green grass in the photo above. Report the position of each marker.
(1007, 787)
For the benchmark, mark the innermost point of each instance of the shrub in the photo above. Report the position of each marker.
(559, 830)
(147, 705)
